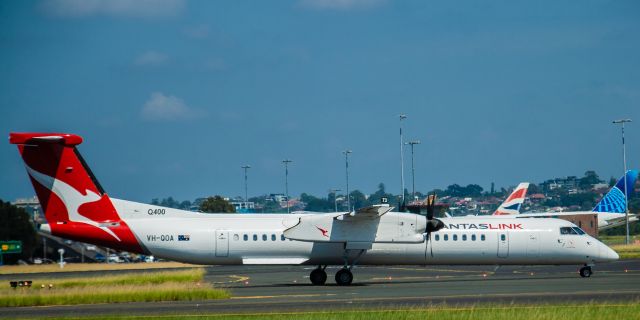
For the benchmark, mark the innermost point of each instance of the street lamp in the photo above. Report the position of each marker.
(286, 179)
(402, 117)
(413, 171)
(335, 198)
(346, 165)
(621, 122)
(246, 198)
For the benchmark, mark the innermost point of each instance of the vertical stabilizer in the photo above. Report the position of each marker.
(614, 201)
(514, 201)
(74, 204)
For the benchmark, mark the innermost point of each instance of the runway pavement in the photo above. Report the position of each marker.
(259, 289)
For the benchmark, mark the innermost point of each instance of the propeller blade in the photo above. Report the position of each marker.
(431, 201)
(431, 245)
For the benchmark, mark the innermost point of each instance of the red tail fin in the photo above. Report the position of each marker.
(73, 201)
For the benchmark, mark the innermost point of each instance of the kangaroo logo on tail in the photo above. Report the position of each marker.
(71, 198)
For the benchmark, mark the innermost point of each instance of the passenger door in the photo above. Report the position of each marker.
(533, 244)
(222, 243)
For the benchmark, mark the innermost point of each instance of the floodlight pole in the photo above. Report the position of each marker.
(335, 198)
(246, 198)
(624, 164)
(286, 179)
(346, 165)
(413, 170)
(402, 117)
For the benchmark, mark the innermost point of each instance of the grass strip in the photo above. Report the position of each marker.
(144, 287)
(191, 275)
(75, 267)
(631, 251)
(585, 311)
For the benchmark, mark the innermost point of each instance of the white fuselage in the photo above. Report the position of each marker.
(606, 220)
(260, 239)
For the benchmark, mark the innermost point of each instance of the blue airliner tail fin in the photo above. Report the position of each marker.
(614, 200)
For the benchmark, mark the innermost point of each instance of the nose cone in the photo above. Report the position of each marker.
(607, 254)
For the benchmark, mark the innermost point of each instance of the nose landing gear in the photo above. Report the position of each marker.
(586, 272)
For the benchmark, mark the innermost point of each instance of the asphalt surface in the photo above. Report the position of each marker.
(260, 289)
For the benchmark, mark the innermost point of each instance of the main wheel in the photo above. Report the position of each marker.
(344, 277)
(318, 277)
(586, 272)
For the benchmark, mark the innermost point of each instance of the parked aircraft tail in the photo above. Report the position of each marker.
(614, 201)
(74, 203)
(514, 201)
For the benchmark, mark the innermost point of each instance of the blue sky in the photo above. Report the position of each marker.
(172, 97)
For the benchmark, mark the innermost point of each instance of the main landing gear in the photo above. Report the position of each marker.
(344, 277)
(586, 272)
(318, 276)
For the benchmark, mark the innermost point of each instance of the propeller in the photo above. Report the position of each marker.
(433, 224)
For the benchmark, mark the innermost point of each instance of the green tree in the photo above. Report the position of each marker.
(216, 204)
(376, 197)
(316, 204)
(590, 178)
(358, 200)
(16, 225)
(185, 205)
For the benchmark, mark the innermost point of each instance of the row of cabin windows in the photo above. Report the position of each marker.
(265, 237)
(464, 237)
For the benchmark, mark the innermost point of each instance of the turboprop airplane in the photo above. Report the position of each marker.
(610, 209)
(76, 207)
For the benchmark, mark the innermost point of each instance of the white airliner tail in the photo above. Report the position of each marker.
(514, 201)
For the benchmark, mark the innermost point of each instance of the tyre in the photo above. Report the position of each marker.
(344, 277)
(318, 277)
(586, 272)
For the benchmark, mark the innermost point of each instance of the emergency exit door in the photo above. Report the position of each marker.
(222, 243)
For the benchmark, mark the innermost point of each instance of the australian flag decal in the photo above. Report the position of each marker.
(183, 237)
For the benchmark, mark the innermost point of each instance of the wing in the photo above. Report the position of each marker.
(366, 213)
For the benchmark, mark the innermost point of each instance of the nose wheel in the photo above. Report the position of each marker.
(318, 276)
(586, 272)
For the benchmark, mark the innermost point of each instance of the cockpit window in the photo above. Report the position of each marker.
(568, 230)
(579, 231)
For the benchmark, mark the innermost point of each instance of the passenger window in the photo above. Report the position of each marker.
(482, 237)
(446, 237)
(245, 237)
(264, 237)
(455, 237)
(437, 237)
(464, 237)
(255, 237)
(473, 237)
(282, 237)
(236, 237)
(503, 237)
(273, 237)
